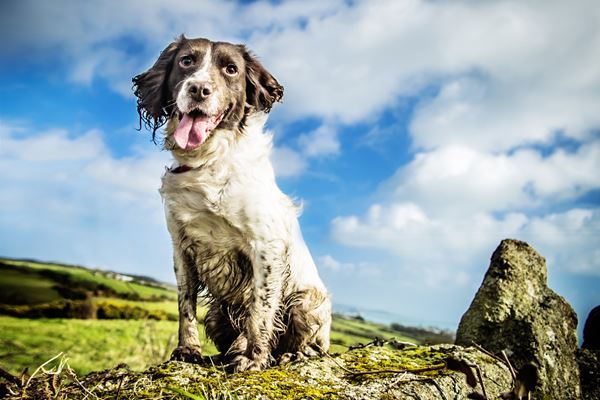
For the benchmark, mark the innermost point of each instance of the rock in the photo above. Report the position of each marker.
(591, 330)
(515, 311)
(436, 372)
(589, 368)
(589, 357)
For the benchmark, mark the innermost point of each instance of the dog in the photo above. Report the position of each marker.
(235, 235)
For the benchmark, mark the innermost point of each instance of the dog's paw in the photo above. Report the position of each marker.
(297, 356)
(239, 346)
(310, 351)
(242, 363)
(286, 358)
(190, 354)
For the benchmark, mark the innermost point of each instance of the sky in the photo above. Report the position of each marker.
(416, 134)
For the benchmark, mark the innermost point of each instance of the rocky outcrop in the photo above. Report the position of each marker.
(372, 372)
(515, 311)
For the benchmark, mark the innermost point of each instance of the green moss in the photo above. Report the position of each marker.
(316, 378)
(282, 382)
(288, 381)
(382, 358)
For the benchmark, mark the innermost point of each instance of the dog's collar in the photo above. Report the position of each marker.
(180, 169)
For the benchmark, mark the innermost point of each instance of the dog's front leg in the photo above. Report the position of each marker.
(268, 266)
(186, 275)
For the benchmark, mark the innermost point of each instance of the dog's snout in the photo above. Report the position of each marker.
(200, 90)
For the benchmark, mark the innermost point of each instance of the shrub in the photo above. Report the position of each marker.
(84, 309)
(110, 310)
(81, 309)
(72, 293)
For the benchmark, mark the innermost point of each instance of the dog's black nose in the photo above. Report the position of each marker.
(200, 91)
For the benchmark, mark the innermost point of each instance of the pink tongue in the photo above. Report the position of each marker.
(191, 132)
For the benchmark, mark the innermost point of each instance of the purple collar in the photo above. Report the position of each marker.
(181, 169)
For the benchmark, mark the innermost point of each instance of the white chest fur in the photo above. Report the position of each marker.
(231, 203)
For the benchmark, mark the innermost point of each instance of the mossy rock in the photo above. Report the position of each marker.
(515, 311)
(368, 373)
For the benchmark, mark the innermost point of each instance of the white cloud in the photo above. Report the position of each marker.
(287, 162)
(569, 240)
(327, 261)
(322, 141)
(405, 230)
(65, 197)
(450, 244)
(501, 64)
(327, 264)
(54, 145)
(458, 179)
(498, 115)
(449, 207)
(511, 72)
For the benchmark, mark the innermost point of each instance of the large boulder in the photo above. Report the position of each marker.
(515, 311)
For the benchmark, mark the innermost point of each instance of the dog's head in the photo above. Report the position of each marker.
(203, 85)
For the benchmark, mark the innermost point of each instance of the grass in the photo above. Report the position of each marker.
(90, 344)
(93, 345)
(346, 332)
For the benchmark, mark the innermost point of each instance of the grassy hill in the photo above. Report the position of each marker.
(121, 318)
(31, 282)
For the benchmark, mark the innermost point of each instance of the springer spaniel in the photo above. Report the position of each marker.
(236, 237)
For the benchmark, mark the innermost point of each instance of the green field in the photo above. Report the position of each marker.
(21, 287)
(89, 344)
(96, 344)
(346, 332)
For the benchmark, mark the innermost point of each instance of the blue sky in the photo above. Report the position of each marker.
(417, 134)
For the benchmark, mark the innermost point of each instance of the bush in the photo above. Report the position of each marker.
(72, 293)
(81, 309)
(109, 310)
(84, 309)
(357, 317)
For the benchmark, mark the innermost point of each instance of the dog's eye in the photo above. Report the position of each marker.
(231, 69)
(186, 61)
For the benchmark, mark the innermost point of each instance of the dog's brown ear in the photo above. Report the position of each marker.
(262, 89)
(150, 88)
